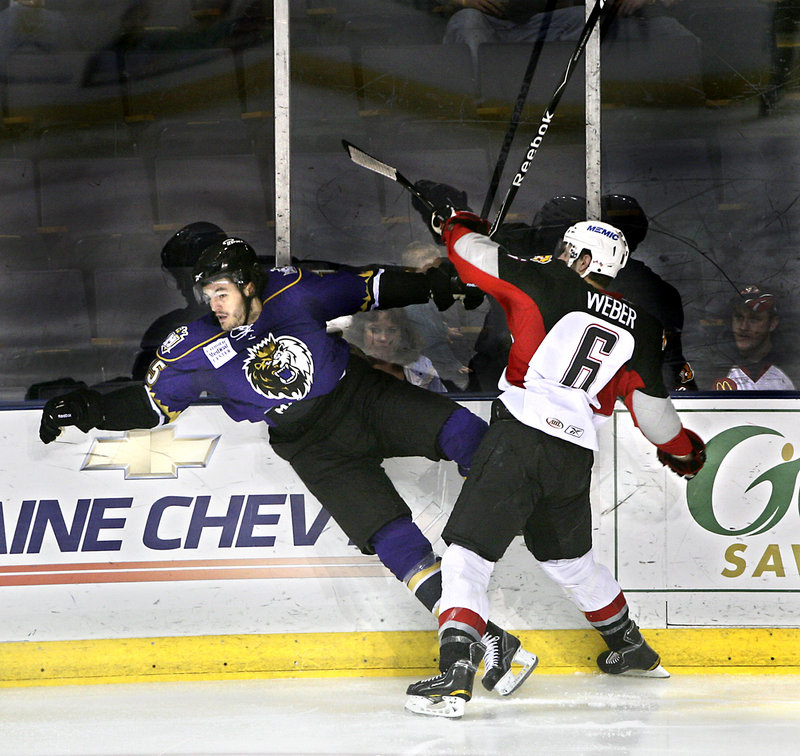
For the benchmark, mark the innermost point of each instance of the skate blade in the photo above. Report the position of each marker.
(446, 706)
(511, 680)
(657, 671)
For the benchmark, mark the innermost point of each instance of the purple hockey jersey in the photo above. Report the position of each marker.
(282, 358)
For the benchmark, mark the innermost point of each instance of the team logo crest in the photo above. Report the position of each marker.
(279, 367)
(175, 338)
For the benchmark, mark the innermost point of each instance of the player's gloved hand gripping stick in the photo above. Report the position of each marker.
(373, 164)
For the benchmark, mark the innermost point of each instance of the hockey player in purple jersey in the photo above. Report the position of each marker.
(576, 350)
(264, 353)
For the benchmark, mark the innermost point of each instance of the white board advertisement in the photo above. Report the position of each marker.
(199, 529)
(724, 548)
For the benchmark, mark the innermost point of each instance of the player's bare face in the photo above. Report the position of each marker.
(751, 331)
(227, 303)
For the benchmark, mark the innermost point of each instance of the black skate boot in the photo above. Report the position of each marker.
(634, 658)
(446, 694)
(503, 649)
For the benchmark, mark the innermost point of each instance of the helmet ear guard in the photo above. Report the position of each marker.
(605, 243)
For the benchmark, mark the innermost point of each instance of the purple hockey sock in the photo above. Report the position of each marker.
(460, 436)
(401, 546)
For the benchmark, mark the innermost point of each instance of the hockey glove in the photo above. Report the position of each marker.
(689, 465)
(444, 198)
(446, 287)
(82, 408)
(439, 195)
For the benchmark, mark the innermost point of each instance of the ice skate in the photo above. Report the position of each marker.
(446, 694)
(503, 650)
(634, 659)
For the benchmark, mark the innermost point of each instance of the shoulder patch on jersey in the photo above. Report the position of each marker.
(286, 270)
(541, 259)
(279, 367)
(175, 338)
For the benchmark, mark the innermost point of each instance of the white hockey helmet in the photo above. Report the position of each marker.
(605, 243)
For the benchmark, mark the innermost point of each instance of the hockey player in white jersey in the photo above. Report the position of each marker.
(576, 350)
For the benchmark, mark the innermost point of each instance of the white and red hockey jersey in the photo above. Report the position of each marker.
(575, 349)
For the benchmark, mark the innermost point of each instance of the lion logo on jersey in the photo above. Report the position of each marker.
(279, 367)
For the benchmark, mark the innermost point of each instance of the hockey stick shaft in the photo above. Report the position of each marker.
(518, 106)
(365, 160)
(547, 117)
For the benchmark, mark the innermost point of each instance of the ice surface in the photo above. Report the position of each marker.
(551, 714)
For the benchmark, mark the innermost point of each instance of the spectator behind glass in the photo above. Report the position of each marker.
(392, 344)
(27, 26)
(475, 22)
(432, 325)
(754, 321)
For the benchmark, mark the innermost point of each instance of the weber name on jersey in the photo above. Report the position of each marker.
(567, 335)
(259, 370)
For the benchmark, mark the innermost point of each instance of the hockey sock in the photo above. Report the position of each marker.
(400, 545)
(458, 629)
(611, 621)
(459, 437)
(404, 550)
(425, 582)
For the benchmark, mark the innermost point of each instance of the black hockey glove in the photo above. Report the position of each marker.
(446, 287)
(439, 195)
(82, 408)
(689, 467)
(444, 198)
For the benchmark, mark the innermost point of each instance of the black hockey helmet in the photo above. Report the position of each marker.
(185, 246)
(563, 209)
(229, 258)
(626, 214)
(554, 217)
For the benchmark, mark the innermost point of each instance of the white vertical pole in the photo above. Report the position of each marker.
(593, 178)
(283, 254)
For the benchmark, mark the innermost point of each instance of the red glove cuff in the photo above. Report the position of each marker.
(678, 446)
(466, 219)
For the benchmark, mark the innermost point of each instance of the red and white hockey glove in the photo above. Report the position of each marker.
(687, 465)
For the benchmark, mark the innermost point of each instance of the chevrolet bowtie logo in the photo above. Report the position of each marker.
(149, 454)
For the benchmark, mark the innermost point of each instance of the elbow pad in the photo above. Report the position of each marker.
(127, 408)
(400, 288)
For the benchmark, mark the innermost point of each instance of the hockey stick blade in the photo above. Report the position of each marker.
(547, 117)
(365, 160)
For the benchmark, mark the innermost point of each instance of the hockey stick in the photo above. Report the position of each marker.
(547, 117)
(359, 157)
(518, 106)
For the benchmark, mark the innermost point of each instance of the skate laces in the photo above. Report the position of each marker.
(432, 678)
(492, 653)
